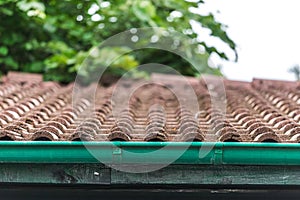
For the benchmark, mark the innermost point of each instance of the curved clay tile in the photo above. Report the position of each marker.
(57, 125)
(86, 129)
(156, 136)
(44, 135)
(93, 122)
(275, 119)
(268, 117)
(121, 128)
(257, 124)
(11, 114)
(297, 118)
(80, 136)
(225, 130)
(287, 127)
(35, 119)
(294, 113)
(4, 118)
(240, 115)
(17, 130)
(191, 136)
(293, 131)
(279, 125)
(52, 129)
(259, 111)
(220, 124)
(295, 138)
(267, 137)
(118, 136)
(187, 124)
(64, 119)
(42, 115)
(7, 135)
(17, 110)
(20, 124)
(230, 137)
(261, 130)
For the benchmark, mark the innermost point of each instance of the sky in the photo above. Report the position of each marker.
(267, 33)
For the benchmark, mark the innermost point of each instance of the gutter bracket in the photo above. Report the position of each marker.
(116, 155)
(218, 154)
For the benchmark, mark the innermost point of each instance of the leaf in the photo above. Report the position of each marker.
(47, 36)
(144, 10)
(11, 63)
(3, 50)
(28, 46)
(37, 67)
(25, 5)
(49, 27)
(6, 11)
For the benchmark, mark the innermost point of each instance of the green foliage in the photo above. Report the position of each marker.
(296, 71)
(54, 37)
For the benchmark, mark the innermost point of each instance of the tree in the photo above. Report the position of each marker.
(54, 37)
(296, 71)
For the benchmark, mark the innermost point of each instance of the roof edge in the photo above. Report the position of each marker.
(193, 153)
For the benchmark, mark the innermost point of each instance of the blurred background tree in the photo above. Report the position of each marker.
(54, 37)
(296, 71)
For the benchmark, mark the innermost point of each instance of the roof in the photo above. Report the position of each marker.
(164, 108)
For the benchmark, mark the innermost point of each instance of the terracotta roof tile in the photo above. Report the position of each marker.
(159, 109)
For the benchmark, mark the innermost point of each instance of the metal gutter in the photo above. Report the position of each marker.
(199, 153)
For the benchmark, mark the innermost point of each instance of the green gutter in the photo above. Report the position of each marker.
(151, 152)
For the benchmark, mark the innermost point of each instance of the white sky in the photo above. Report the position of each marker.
(267, 33)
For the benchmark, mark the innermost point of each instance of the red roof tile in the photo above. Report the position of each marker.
(164, 108)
